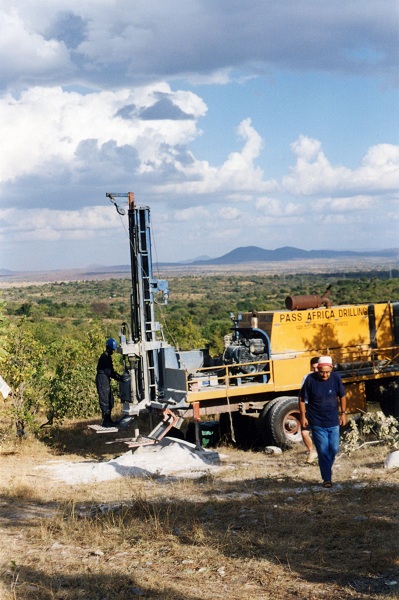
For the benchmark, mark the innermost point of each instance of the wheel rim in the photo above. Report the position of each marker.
(292, 426)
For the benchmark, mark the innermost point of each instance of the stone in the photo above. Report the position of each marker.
(273, 450)
(392, 460)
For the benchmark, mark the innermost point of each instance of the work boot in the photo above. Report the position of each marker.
(107, 421)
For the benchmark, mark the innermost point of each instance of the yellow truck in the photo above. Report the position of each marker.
(269, 353)
(265, 359)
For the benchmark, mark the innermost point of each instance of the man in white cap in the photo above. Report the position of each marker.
(322, 404)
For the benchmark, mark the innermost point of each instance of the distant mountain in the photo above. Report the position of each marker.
(245, 254)
(195, 260)
(100, 269)
(255, 254)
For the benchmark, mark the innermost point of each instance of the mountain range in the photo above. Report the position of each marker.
(242, 255)
(256, 254)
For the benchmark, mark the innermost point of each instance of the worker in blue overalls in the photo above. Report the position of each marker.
(106, 372)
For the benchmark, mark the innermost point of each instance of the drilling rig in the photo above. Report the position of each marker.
(265, 358)
(145, 352)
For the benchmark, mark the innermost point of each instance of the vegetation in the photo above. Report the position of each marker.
(231, 534)
(199, 308)
(49, 365)
(261, 528)
(24, 371)
(52, 334)
(371, 428)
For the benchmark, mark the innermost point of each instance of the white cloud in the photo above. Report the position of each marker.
(269, 206)
(24, 53)
(195, 212)
(51, 225)
(236, 175)
(279, 214)
(229, 213)
(55, 122)
(307, 149)
(313, 174)
(380, 168)
(88, 105)
(344, 205)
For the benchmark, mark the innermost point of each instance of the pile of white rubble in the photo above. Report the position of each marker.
(167, 458)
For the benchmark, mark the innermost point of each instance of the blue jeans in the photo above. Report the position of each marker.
(326, 440)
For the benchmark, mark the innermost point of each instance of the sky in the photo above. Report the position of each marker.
(260, 123)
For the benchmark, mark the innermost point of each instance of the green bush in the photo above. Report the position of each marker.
(24, 371)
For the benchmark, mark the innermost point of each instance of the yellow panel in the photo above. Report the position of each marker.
(356, 397)
(344, 332)
(383, 322)
(321, 330)
(334, 330)
(289, 373)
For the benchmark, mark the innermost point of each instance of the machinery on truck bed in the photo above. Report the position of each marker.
(265, 358)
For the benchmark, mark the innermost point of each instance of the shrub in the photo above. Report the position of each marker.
(72, 392)
(371, 428)
(24, 370)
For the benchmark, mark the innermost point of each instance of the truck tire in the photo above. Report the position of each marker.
(284, 422)
(264, 422)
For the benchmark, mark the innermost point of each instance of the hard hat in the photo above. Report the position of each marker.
(111, 344)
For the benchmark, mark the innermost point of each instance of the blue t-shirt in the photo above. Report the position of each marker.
(321, 397)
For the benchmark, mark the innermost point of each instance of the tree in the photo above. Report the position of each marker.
(72, 392)
(24, 310)
(184, 333)
(214, 334)
(3, 331)
(24, 371)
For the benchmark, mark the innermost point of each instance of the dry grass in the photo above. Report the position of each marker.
(264, 529)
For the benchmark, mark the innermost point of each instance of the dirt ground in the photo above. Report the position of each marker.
(262, 527)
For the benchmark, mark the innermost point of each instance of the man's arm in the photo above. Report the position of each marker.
(115, 375)
(302, 410)
(342, 405)
(341, 395)
(303, 396)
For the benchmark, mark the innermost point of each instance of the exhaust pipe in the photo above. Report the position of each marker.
(311, 301)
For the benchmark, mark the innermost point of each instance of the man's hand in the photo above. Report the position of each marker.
(342, 419)
(304, 422)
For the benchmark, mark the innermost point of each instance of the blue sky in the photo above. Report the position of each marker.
(264, 122)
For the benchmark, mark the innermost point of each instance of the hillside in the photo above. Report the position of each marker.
(248, 259)
(256, 254)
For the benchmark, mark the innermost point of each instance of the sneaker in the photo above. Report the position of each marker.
(312, 457)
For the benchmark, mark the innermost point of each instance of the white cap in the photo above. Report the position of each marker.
(325, 361)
